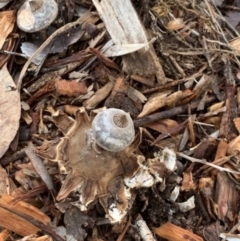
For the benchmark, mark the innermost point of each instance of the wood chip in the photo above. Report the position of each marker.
(70, 88)
(17, 224)
(116, 16)
(172, 232)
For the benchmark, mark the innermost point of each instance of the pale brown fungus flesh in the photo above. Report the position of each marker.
(97, 174)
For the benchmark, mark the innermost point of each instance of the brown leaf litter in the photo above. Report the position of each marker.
(174, 70)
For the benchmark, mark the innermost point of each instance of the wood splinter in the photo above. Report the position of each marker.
(124, 27)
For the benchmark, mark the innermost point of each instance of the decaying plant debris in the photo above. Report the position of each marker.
(173, 66)
(117, 172)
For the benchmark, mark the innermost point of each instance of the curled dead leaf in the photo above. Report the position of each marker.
(119, 50)
(163, 126)
(235, 44)
(155, 102)
(237, 123)
(39, 167)
(176, 24)
(10, 109)
(7, 20)
(234, 146)
(165, 98)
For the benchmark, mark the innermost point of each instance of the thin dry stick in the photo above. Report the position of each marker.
(169, 113)
(204, 162)
(235, 228)
(121, 236)
(176, 82)
(222, 18)
(48, 41)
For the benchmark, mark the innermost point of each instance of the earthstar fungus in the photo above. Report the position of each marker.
(36, 15)
(93, 173)
(113, 129)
